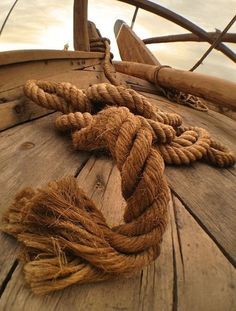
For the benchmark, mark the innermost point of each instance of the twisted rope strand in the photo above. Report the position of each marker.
(66, 238)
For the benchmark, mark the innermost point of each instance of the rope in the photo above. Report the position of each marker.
(102, 44)
(180, 97)
(65, 238)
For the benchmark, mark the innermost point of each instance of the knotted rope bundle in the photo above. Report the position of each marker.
(185, 144)
(65, 237)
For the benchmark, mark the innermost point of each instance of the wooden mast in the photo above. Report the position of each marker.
(81, 36)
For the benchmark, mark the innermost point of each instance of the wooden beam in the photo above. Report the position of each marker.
(211, 88)
(81, 37)
(181, 21)
(228, 37)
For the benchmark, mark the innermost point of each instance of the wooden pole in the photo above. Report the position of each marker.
(181, 21)
(186, 37)
(213, 89)
(81, 36)
(214, 44)
(7, 17)
(134, 17)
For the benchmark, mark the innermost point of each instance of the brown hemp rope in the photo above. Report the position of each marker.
(65, 238)
(178, 96)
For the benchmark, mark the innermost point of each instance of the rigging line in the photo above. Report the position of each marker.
(6, 19)
(134, 17)
(214, 44)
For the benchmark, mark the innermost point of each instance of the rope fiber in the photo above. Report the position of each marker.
(65, 239)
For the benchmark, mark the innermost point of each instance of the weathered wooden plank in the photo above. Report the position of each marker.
(19, 111)
(17, 108)
(101, 181)
(221, 109)
(210, 196)
(131, 47)
(208, 192)
(31, 155)
(16, 74)
(205, 280)
(19, 56)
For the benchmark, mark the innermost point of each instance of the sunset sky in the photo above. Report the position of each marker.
(48, 24)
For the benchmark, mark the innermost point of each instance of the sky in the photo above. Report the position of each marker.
(48, 24)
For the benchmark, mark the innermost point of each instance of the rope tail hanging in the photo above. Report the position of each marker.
(65, 239)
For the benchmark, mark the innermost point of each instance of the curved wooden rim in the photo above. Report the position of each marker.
(228, 37)
(21, 56)
(181, 21)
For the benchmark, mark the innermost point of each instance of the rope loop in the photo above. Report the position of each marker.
(65, 237)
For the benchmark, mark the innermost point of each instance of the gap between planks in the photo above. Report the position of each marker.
(163, 284)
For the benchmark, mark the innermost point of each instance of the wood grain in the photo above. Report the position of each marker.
(208, 192)
(132, 48)
(20, 56)
(16, 108)
(16, 74)
(204, 280)
(31, 155)
(214, 89)
(81, 37)
(101, 181)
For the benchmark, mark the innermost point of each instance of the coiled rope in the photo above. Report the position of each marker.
(65, 238)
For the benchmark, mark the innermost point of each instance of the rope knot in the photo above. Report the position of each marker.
(66, 238)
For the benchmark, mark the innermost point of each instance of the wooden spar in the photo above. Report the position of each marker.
(214, 89)
(136, 47)
(131, 47)
(81, 37)
(181, 21)
(228, 37)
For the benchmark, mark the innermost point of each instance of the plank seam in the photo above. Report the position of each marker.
(80, 168)
(178, 236)
(175, 284)
(8, 277)
(205, 229)
(27, 121)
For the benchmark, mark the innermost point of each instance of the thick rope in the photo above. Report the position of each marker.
(185, 145)
(65, 238)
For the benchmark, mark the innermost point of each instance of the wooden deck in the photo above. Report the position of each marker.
(196, 268)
